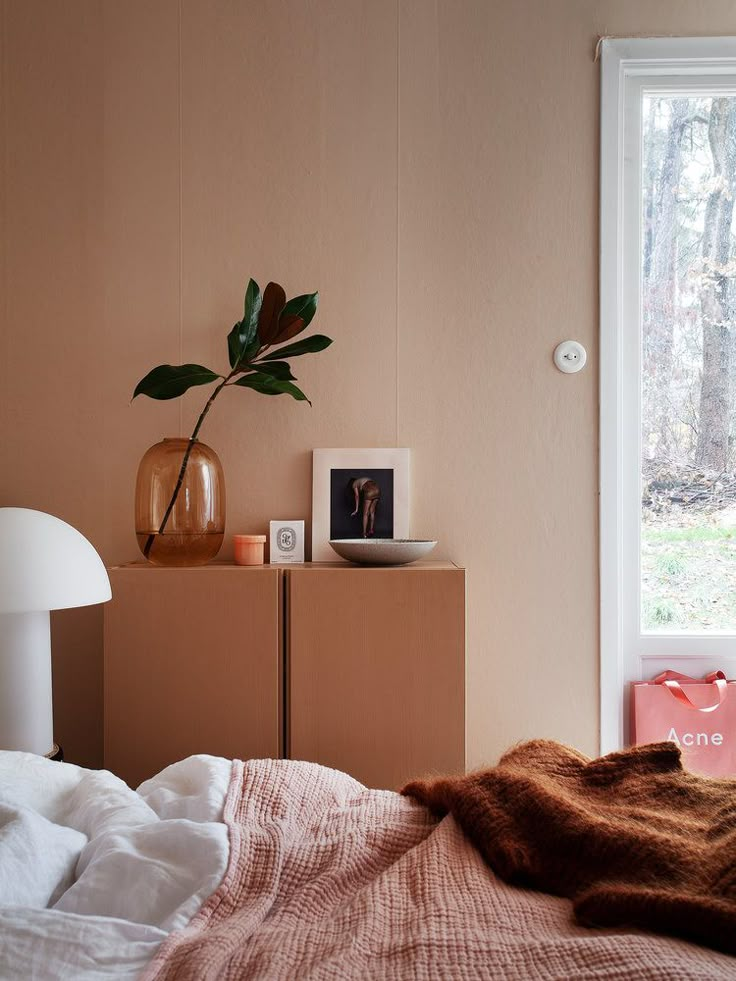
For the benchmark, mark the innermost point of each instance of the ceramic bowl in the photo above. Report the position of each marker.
(382, 551)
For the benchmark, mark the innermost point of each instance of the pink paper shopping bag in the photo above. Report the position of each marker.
(698, 715)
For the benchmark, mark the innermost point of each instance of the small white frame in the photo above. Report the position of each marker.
(326, 460)
(294, 554)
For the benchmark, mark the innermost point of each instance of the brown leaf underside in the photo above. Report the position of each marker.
(274, 299)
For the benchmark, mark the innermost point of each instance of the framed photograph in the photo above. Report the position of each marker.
(358, 494)
(286, 542)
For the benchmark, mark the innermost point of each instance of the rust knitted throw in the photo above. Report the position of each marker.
(631, 838)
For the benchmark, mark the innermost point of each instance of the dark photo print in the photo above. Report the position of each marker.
(361, 503)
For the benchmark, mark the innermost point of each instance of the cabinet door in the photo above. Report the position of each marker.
(376, 670)
(192, 665)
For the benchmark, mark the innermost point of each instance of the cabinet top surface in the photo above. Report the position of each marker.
(214, 567)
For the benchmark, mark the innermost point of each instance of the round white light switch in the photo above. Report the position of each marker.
(570, 356)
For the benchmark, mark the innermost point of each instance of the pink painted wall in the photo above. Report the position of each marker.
(431, 167)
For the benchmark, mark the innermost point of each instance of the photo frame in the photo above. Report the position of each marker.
(356, 491)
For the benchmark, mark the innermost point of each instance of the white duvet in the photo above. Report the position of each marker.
(94, 875)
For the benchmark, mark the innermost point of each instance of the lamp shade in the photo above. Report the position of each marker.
(45, 564)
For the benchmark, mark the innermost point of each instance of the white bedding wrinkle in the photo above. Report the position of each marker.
(103, 802)
(35, 782)
(93, 875)
(195, 789)
(157, 874)
(43, 945)
(37, 857)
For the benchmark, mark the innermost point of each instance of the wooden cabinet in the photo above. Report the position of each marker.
(358, 668)
(192, 665)
(376, 670)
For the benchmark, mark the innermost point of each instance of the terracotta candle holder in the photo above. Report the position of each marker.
(249, 549)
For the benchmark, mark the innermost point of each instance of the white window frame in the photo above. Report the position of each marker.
(629, 66)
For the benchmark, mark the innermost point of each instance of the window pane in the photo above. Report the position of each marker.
(688, 518)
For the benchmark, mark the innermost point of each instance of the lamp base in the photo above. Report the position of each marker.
(26, 715)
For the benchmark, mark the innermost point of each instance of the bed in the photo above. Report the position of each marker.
(276, 869)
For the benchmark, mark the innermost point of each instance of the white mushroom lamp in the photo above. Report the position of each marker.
(45, 564)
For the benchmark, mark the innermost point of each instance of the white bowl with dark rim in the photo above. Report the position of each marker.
(382, 551)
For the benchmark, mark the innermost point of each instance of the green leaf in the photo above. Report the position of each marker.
(310, 345)
(276, 369)
(274, 298)
(267, 385)
(169, 381)
(304, 307)
(244, 332)
(251, 351)
(252, 302)
(235, 344)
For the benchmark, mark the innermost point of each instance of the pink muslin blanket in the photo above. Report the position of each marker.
(329, 880)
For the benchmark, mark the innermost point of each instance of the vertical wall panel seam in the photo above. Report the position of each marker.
(4, 113)
(181, 197)
(398, 204)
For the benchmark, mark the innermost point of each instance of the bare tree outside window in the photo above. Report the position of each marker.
(688, 364)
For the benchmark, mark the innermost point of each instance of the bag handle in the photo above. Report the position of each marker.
(678, 676)
(671, 681)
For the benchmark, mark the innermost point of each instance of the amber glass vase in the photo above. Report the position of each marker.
(193, 529)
